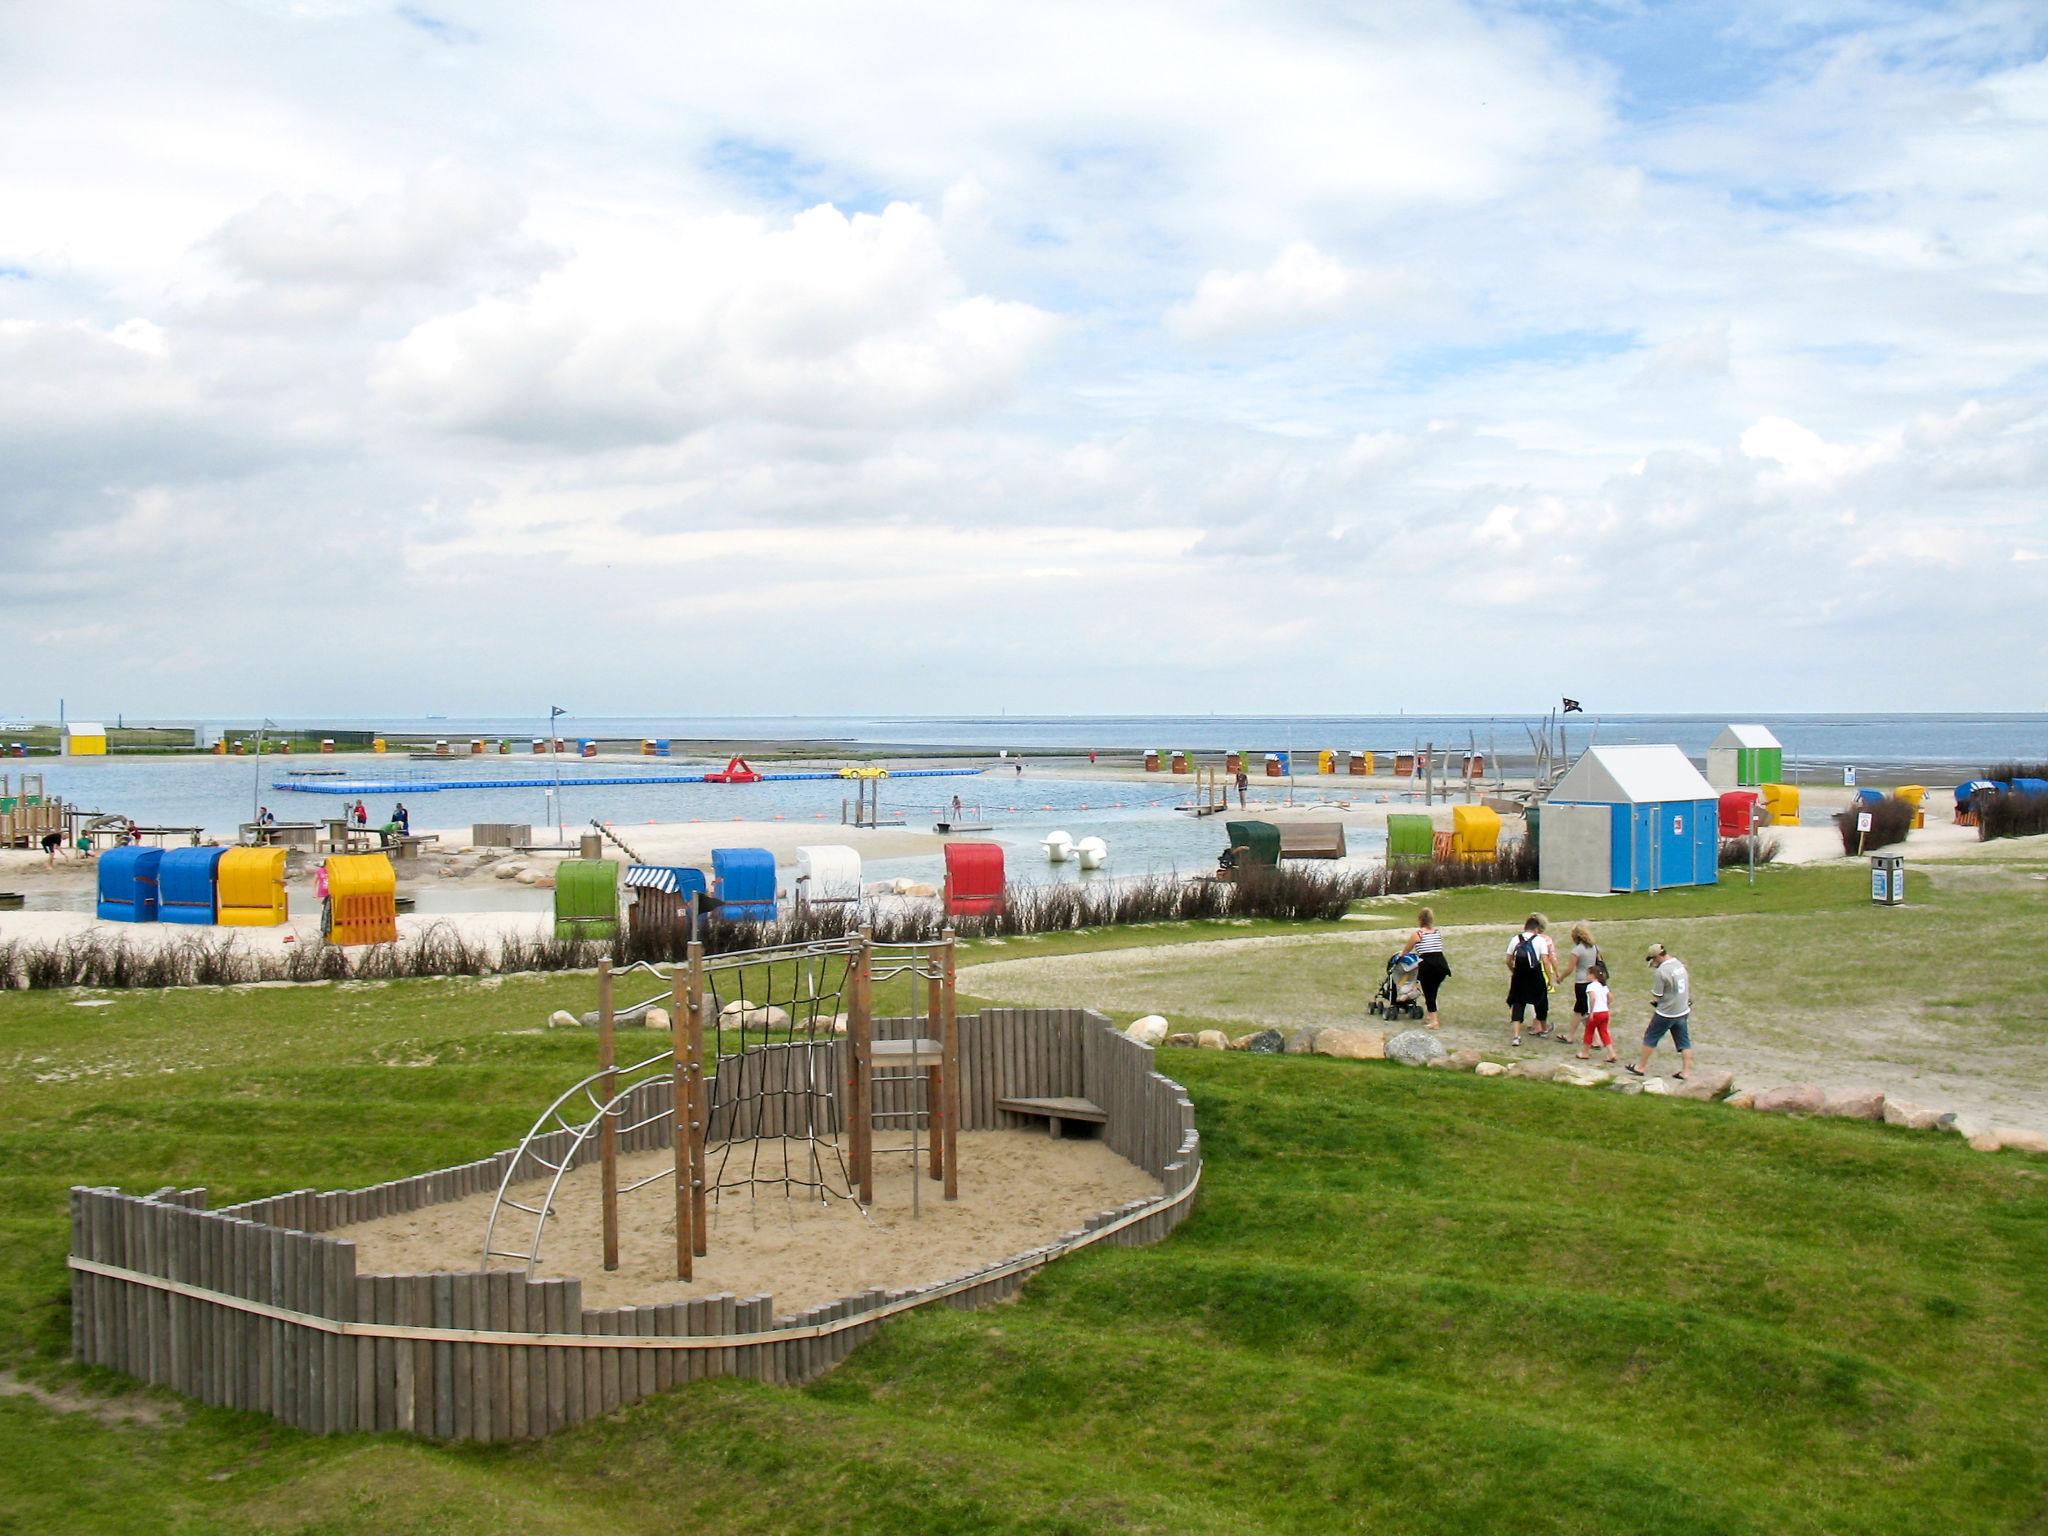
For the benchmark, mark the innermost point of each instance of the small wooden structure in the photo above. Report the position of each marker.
(1312, 840)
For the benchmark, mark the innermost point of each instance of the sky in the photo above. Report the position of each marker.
(363, 360)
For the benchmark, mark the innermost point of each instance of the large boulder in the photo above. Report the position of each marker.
(1181, 1037)
(1913, 1117)
(1538, 1070)
(1350, 1042)
(1579, 1076)
(1415, 1047)
(1261, 1042)
(1213, 1040)
(1858, 1104)
(1705, 1086)
(1489, 1069)
(1150, 1030)
(505, 872)
(655, 1018)
(562, 1018)
(1743, 1100)
(2009, 1138)
(741, 1014)
(1656, 1088)
(1792, 1099)
(1302, 1042)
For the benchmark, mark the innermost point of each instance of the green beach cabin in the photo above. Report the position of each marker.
(1744, 757)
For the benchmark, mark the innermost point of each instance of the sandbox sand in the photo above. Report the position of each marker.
(1018, 1190)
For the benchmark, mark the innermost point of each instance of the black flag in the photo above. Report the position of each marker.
(1574, 707)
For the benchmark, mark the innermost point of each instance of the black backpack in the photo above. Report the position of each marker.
(1525, 954)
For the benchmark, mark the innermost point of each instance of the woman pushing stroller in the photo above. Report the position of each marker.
(1431, 966)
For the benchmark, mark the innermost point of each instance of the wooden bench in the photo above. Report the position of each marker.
(1056, 1112)
(1312, 840)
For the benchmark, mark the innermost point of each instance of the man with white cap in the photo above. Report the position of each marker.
(1670, 1012)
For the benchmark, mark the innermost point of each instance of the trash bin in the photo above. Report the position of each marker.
(590, 846)
(1888, 879)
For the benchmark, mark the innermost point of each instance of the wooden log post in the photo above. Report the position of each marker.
(949, 1065)
(935, 1077)
(680, 1108)
(608, 1130)
(700, 1097)
(860, 1041)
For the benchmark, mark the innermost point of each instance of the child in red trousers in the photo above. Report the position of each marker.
(1598, 1002)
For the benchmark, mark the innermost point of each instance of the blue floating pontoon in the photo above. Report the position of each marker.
(354, 787)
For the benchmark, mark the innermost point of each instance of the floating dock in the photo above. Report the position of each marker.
(583, 781)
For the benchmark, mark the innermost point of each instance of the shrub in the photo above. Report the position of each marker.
(2005, 773)
(1735, 851)
(1890, 821)
(2012, 815)
(1290, 893)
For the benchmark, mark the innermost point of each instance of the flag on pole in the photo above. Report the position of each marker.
(1574, 707)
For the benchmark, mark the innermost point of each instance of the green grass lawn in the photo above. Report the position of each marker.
(1406, 1301)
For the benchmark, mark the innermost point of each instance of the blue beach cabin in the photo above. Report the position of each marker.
(1661, 820)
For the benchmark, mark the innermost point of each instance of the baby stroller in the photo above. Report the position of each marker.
(1400, 993)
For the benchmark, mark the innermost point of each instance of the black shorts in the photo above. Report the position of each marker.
(1579, 997)
(1527, 990)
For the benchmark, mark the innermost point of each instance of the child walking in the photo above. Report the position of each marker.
(1599, 1003)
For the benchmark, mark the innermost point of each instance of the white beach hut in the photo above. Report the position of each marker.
(1630, 819)
(827, 874)
(1744, 756)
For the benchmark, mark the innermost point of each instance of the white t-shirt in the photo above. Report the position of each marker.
(1542, 945)
(1596, 997)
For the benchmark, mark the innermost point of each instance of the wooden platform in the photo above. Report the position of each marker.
(1056, 1112)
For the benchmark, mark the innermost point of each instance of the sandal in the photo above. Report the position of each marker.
(1633, 1070)
(1678, 1077)
(1585, 1056)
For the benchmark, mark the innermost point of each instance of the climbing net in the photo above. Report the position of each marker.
(773, 1022)
(777, 1077)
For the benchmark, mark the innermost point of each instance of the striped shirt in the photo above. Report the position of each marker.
(1427, 942)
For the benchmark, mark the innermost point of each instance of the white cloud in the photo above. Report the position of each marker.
(656, 332)
(1300, 287)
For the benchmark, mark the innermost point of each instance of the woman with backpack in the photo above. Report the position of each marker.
(1532, 970)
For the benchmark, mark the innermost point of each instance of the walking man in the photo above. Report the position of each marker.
(1670, 1012)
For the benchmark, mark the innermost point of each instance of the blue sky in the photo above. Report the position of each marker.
(1147, 358)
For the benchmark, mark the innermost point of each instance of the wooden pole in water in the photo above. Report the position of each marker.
(949, 1057)
(859, 1039)
(608, 1130)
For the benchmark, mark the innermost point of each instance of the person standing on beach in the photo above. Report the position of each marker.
(1244, 782)
(362, 814)
(325, 893)
(1532, 969)
(1670, 1012)
(1585, 955)
(1432, 967)
(402, 817)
